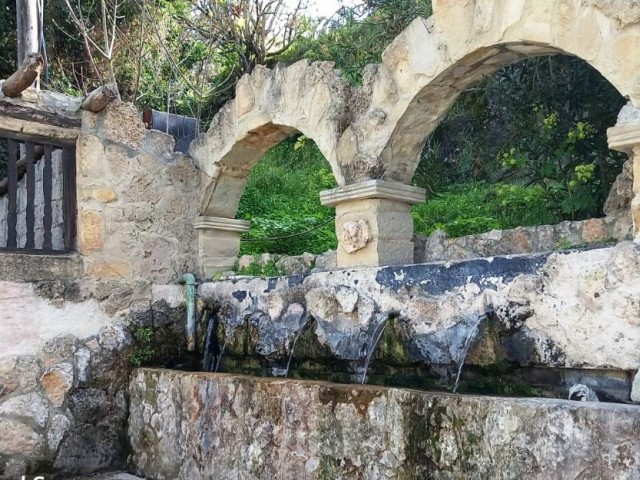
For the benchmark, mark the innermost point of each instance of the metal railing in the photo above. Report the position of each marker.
(37, 196)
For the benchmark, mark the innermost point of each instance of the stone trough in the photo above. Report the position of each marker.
(215, 426)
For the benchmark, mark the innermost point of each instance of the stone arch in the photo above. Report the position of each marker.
(269, 106)
(424, 70)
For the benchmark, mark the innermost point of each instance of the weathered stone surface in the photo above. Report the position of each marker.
(56, 382)
(263, 428)
(59, 349)
(635, 388)
(436, 308)
(19, 267)
(326, 262)
(60, 424)
(16, 438)
(88, 449)
(354, 235)
(29, 407)
(110, 476)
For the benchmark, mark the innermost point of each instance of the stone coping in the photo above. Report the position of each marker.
(56, 103)
(220, 223)
(624, 137)
(29, 267)
(373, 189)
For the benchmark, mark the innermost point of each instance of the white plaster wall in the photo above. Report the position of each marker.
(27, 320)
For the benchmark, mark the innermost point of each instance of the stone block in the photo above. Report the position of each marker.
(56, 383)
(474, 437)
(594, 230)
(108, 269)
(121, 123)
(374, 232)
(90, 231)
(90, 157)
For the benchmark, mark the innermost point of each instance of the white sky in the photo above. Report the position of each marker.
(322, 8)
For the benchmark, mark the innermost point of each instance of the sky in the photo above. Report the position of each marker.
(322, 8)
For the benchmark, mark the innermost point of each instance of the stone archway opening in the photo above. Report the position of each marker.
(525, 146)
(282, 201)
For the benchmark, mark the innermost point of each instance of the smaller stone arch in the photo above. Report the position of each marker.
(269, 106)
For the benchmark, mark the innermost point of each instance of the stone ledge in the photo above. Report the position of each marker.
(624, 137)
(225, 224)
(60, 105)
(373, 189)
(25, 267)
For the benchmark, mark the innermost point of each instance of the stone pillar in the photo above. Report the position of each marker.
(219, 243)
(373, 222)
(626, 138)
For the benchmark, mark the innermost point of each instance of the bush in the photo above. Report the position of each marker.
(474, 208)
(282, 200)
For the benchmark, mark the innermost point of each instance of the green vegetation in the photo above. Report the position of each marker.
(281, 200)
(255, 269)
(143, 350)
(469, 209)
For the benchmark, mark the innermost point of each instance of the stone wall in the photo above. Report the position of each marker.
(544, 238)
(189, 425)
(57, 227)
(573, 311)
(73, 326)
(66, 351)
(137, 199)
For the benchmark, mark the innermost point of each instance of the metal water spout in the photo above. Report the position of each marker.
(189, 281)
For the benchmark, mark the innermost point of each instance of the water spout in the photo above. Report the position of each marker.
(293, 347)
(376, 337)
(465, 349)
(208, 358)
(224, 346)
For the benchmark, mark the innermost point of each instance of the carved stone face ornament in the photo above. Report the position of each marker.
(355, 235)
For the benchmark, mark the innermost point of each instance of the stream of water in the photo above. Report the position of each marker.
(293, 347)
(377, 335)
(465, 350)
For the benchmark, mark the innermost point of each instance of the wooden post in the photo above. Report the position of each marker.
(97, 100)
(28, 22)
(22, 78)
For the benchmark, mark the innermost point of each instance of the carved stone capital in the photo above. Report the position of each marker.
(369, 189)
(223, 224)
(624, 138)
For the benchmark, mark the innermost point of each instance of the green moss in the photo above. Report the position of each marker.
(143, 351)
(392, 349)
(309, 346)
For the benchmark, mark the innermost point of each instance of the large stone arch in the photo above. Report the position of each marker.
(269, 106)
(424, 70)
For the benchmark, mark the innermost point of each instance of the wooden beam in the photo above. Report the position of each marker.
(37, 132)
(22, 78)
(98, 100)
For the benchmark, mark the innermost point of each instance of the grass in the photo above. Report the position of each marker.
(282, 200)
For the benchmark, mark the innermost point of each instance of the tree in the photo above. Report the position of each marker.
(256, 31)
(28, 28)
